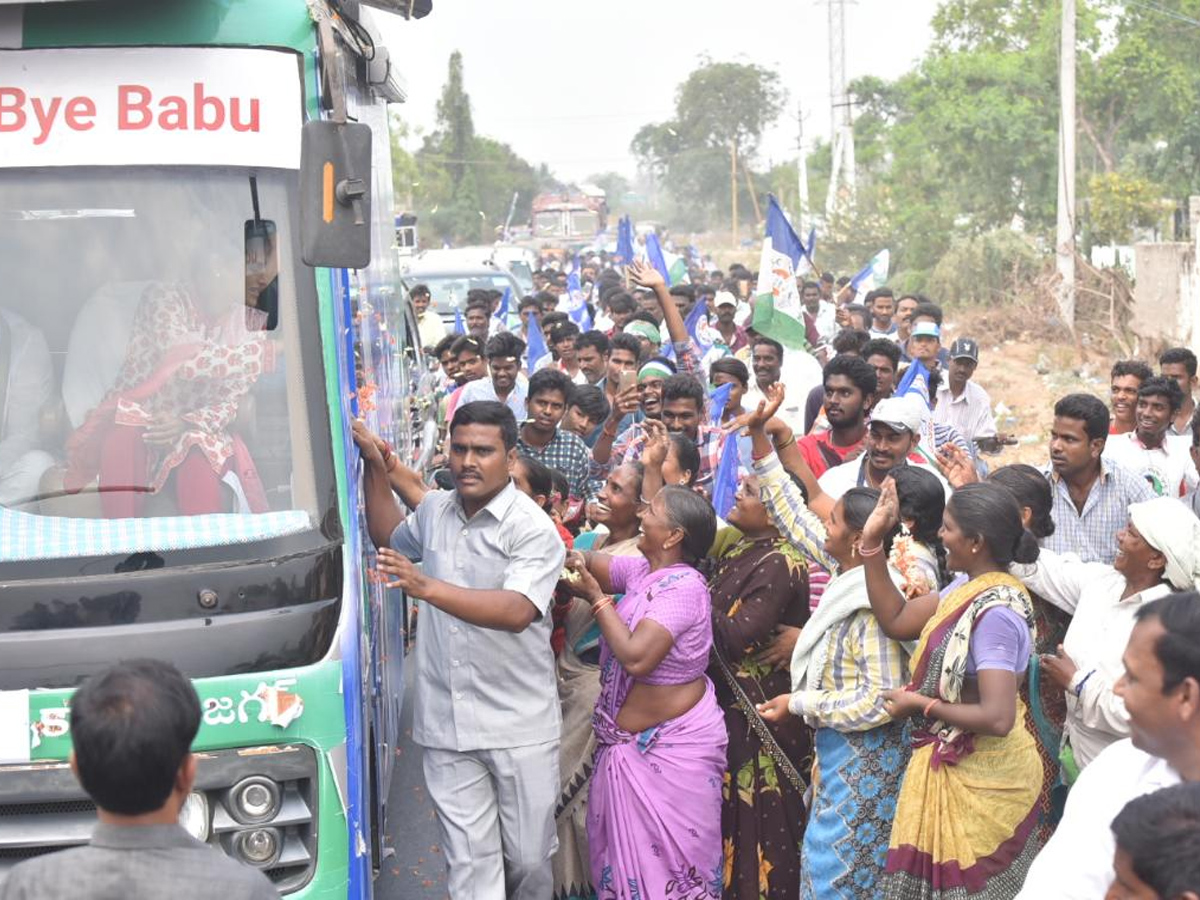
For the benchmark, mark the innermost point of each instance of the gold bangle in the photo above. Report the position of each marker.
(607, 601)
(783, 445)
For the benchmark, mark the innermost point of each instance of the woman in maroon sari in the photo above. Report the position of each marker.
(759, 583)
(171, 411)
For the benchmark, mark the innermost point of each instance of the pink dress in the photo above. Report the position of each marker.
(654, 807)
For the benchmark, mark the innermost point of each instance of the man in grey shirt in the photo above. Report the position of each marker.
(132, 728)
(486, 703)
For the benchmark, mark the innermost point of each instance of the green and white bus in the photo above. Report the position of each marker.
(198, 292)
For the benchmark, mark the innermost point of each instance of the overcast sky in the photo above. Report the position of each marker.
(569, 83)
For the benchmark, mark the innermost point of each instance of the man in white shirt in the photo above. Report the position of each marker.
(504, 363)
(1161, 690)
(893, 434)
(430, 327)
(1150, 450)
(823, 312)
(961, 402)
(26, 383)
(1103, 600)
(881, 304)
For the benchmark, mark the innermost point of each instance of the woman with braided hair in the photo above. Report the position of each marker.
(966, 818)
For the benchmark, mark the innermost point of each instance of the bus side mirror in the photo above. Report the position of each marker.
(335, 194)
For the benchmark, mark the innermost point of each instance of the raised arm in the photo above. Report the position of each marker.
(622, 405)
(645, 275)
(899, 620)
(783, 500)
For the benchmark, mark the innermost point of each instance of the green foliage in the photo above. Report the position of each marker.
(966, 143)
(987, 268)
(720, 105)
(465, 181)
(1119, 203)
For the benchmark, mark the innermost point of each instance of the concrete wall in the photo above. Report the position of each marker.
(1167, 294)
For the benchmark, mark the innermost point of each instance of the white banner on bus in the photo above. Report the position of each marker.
(210, 106)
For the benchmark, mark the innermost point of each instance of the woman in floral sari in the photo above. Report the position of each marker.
(758, 583)
(654, 807)
(968, 808)
(194, 354)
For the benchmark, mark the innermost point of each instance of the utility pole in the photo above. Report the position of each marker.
(841, 120)
(1065, 237)
(733, 191)
(801, 173)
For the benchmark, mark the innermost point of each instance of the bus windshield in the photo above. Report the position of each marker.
(152, 385)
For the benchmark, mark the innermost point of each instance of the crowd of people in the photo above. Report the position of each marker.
(703, 614)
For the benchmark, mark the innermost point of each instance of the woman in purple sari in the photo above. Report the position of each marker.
(654, 807)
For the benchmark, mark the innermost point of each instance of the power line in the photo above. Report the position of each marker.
(1163, 11)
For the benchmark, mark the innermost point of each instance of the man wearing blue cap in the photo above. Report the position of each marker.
(925, 341)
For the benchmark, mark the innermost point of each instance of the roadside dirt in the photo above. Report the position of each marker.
(1025, 373)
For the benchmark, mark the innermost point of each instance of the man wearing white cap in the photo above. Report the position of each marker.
(1158, 551)
(733, 335)
(894, 433)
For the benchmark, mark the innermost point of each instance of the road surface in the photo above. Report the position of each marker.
(416, 870)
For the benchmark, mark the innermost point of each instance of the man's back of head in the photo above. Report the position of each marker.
(132, 728)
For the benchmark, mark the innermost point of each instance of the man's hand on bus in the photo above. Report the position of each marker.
(370, 446)
(401, 573)
(164, 430)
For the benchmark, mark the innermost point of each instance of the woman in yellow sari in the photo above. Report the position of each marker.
(966, 817)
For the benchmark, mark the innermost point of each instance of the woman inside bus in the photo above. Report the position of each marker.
(654, 807)
(840, 667)
(617, 508)
(170, 416)
(965, 819)
(758, 583)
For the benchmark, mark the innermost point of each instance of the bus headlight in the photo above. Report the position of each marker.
(254, 800)
(259, 847)
(193, 816)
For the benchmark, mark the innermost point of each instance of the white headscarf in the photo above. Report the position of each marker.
(1173, 530)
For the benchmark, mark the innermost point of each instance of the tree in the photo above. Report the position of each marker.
(466, 180)
(720, 109)
(614, 185)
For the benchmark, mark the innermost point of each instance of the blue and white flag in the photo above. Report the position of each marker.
(654, 254)
(459, 327)
(501, 313)
(719, 399)
(783, 237)
(806, 263)
(575, 303)
(915, 381)
(624, 255)
(698, 327)
(725, 481)
(874, 274)
(536, 348)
